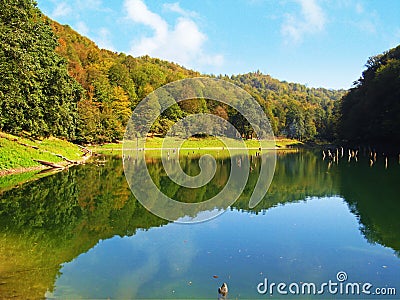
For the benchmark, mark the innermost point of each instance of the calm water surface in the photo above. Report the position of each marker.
(81, 234)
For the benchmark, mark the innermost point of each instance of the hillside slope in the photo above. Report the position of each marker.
(122, 80)
(297, 111)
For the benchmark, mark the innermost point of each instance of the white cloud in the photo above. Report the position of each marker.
(103, 39)
(359, 8)
(183, 43)
(62, 9)
(366, 20)
(312, 21)
(363, 16)
(175, 7)
(365, 25)
(82, 28)
(89, 4)
(394, 38)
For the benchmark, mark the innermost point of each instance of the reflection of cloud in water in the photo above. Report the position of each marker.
(130, 283)
(176, 255)
(132, 263)
(180, 257)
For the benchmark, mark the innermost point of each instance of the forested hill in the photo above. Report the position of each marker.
(95, 101)
(295, 110)
(113, 83)
(370, 112)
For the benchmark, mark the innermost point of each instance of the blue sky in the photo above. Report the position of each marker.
(321, 43)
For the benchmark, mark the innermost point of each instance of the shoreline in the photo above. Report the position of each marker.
(190, 148)
(64, 164)
(21, 170)
(21, 154)
(42, 171)
(89, 151)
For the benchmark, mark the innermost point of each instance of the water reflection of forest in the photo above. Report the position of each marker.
(53, 220)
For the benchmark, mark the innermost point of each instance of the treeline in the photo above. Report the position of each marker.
(370, 112)
(114, 83)
(294, 110)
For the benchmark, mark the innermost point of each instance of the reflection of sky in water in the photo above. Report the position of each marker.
(307, 241)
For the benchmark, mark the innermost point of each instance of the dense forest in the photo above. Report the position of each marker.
(37, 94)
(114, 83)
(370, 112)
(295, 110)
(53, 81)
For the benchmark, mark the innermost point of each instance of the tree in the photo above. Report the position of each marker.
(118, 75)
(36, 92)
(295, 120)
(89, 121)
(121, 110)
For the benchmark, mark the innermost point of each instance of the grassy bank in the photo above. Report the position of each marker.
(196, 143)
(19, 153)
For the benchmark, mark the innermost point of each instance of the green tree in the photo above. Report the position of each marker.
(295, 120)
(89, 121)
(36, 92)
(118, 75)
(121, 105)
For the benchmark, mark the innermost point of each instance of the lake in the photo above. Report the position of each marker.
(80, 233)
